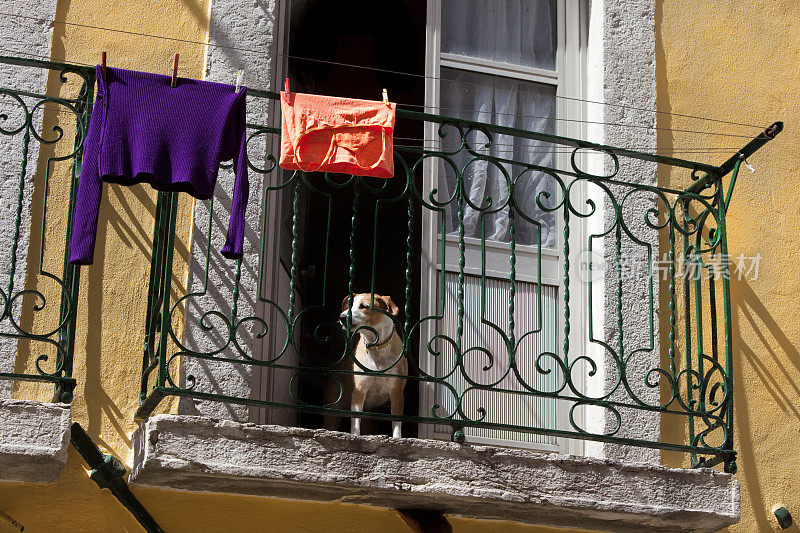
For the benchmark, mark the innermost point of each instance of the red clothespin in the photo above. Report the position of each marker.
(175, 71)
(103, 63)
(286, 86)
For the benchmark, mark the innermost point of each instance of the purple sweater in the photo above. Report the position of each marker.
(144, 130)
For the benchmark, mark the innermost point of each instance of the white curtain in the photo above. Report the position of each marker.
(511, 31)
(522, 32)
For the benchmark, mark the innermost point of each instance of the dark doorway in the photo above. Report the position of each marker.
(384, 36)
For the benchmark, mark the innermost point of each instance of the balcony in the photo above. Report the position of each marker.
(690, 380)
(597, 316)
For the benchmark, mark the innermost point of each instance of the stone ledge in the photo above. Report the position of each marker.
(33, 440)
(202, 454)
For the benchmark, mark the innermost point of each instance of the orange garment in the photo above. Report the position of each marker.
(343, 135)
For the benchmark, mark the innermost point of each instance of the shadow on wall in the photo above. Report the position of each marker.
(671, 430)
(763, 351)
(765, 354)
(774, 351)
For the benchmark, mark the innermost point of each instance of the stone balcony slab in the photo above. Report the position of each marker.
(202, 454)
(33, 440)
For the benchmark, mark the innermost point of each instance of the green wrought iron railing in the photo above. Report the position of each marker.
(39, 288)
(518, 332)
(334, 244)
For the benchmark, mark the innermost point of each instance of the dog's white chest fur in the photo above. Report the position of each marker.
(377, 388)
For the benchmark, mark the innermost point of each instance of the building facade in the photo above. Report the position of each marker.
(568, 369)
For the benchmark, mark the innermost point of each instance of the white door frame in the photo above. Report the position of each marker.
(569, 79)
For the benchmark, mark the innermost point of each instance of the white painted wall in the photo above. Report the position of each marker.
(628, 79)
(23, 38)
(251, 26)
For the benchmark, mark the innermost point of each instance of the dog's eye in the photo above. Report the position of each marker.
(362, 306)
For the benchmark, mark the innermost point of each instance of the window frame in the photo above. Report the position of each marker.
(570, 81)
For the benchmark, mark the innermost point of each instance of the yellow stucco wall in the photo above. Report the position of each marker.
(739, 61)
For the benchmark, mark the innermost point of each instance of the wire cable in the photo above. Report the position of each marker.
(616, 124)
(523, 115)
(544, 147)
(338, 63)
(567, 152)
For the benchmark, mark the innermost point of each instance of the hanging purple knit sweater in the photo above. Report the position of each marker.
(144, 130)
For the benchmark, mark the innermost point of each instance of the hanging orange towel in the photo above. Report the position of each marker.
(343, 135)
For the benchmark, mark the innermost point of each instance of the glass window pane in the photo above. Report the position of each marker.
(522, 32)
(504, 102)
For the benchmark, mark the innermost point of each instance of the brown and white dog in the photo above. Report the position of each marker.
(382, 353)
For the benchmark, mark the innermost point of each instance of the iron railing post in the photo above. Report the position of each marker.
(71, 273)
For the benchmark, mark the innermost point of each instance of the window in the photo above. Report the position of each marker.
(504, 62)
(498, 65)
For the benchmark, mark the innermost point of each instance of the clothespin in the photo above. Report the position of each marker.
(286, 86)
(239, 77)
(385, 97)
(103, 62)
(749, 166)
(175, 71)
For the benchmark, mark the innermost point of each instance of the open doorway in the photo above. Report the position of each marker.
(320, 33)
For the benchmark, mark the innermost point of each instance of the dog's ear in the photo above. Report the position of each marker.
(390, 305)
(346, 301)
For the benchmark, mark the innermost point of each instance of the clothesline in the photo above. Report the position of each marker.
(478, 147)
(557, 119)
(706, 149)
(495, 143)
(478, 144)
(567, 152)
(377, 69)
(584, 121)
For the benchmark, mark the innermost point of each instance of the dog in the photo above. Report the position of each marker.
(382, 353)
